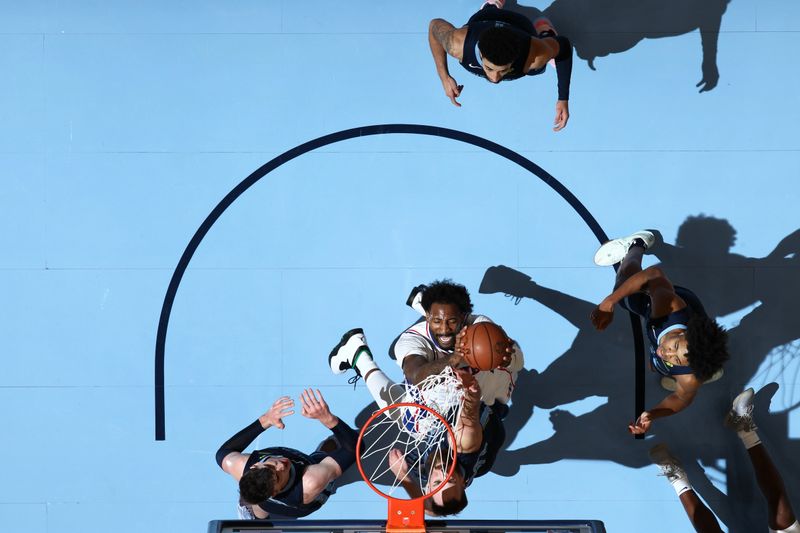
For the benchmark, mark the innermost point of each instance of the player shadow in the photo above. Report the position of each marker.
(599, 364)
(598, 28)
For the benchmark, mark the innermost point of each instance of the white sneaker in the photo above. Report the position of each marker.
(740, 417)
(614, 250)
(668, 463)
(414, 300)
(496, 3)
(344, 354)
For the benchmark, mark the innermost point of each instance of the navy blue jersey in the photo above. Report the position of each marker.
(289, 502)
(489, 17)
(640, 304)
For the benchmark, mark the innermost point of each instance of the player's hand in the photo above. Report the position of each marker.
(282, 407)
(398, 464)
(461, 349)
(452, 89)
(710, 76)
(641, 425)
(314, 406)
(602, 315)
(562, 115)
(468, 381)
(509, 355)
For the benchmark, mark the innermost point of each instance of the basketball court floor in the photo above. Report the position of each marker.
(130, 128)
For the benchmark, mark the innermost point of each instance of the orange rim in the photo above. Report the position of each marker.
(380, 412)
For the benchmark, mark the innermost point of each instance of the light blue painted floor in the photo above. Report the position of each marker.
(122, 125)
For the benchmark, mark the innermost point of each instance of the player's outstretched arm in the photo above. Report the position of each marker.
(314, 406)
(399, 467)
(651, 279)
(230, 457)
(343, 457)
(416, 367)
(444, 39)
(674, 403)
(559, 49)
(564, 74)
(468, 430)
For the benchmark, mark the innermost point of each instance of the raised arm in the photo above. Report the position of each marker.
(318, 476)
(651, 280)
(399, 467)
(559, 49)
(230, 457)
(444, 39)
(468, 430)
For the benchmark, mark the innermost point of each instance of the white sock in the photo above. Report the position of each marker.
(749, 438)
(364, 362)
(379, 386)
(681, 484)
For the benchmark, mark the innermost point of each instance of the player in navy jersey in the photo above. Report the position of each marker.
(498, 45)
(686, 346)
(280, 482)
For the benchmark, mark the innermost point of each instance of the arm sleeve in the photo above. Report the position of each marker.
(240, 441)
(345, 454)
(563, 66)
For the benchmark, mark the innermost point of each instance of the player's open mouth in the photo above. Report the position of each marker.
(445, 340)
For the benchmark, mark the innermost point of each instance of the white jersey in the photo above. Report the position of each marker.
(496, 385)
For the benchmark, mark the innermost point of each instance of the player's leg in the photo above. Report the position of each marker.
(353, 352)
(740, 417)
(699, 515)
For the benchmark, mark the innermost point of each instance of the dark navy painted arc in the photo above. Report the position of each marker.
(379, 129)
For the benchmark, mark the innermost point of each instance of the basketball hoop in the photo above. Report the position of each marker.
(424, 441)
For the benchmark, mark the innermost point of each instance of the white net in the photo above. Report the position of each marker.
(409, 445)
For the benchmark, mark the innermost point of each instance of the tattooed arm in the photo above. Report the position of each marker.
(445, 40)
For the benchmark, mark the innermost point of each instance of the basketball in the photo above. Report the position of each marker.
(485, 345)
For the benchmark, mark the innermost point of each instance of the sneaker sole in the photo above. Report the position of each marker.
(614, 251)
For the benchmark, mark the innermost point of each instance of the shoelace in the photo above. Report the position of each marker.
(517, 299)
(353, 380)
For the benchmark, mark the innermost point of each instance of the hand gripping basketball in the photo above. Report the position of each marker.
(485, 346)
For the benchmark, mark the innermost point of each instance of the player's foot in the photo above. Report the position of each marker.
(414, 300)
(614, 250)
(668, 463)
(344, 355)
(496, 3)
(503, 279)
(740, 417)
